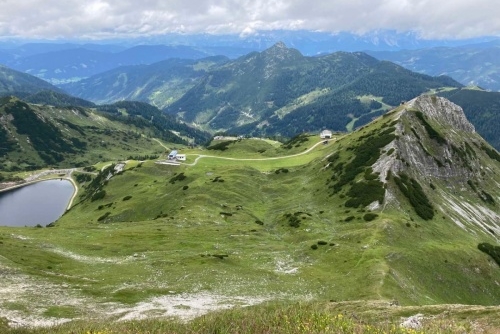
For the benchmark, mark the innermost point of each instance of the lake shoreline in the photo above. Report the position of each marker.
(60, 199)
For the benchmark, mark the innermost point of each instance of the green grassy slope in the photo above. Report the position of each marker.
(264, 229)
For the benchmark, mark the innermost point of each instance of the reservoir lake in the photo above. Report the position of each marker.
(38, 203)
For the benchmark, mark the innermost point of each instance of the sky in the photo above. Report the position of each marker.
(107, 19)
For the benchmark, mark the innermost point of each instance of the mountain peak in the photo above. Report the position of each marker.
(443, 111)
(436, 160)
(281, 51)
(280, 45)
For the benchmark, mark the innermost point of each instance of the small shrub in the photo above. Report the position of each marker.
(433, 134)
(491, 152)
(493, 251)
(365, 192)
(314, 246)
(348, 219)
(104, 216)
(294, 221)
(218, 179)
(487, 197)
(258, 222)
(322, 243)
(126, 198)
(178, 177)
(98, 195)
(185, 188)
(415, 195)
(220, 256)
(370, 216)
(221, 146)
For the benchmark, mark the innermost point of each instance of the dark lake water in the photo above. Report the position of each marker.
(39, 203)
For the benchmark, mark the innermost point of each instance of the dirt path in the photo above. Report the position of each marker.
(200, 156)
(161, 144)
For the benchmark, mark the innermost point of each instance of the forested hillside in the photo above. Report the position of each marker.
(13, 81)
(34, 136)
(279, 91)
(159, 84)
(161, 125)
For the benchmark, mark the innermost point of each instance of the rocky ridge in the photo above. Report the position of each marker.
(438, 148)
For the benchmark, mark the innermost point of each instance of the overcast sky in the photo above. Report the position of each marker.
(99, 19)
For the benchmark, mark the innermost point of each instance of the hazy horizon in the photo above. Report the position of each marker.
(101, 20)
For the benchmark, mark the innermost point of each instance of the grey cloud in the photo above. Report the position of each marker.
(113, 18)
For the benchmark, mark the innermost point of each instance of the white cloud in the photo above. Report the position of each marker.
(122, 18)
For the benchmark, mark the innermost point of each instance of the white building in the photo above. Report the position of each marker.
(325, 134)
(172, 155)
(181, 157)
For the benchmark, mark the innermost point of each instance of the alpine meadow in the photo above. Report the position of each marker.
(239, 185)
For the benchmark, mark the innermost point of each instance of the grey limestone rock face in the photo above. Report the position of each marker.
(444, 154)
(427, 156)
(443, 111)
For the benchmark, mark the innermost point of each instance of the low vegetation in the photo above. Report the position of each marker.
(416, 196)
(365, 154)
(221, 146)
(433, 134)
(491, 250)
(302, 318)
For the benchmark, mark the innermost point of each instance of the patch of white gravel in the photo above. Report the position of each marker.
(91, 259)
(20, 237)
(24, 301)
(285, 266)
(184, 306)
(413, 322)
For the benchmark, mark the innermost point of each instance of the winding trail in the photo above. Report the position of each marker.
(200, 156)
(161, 144)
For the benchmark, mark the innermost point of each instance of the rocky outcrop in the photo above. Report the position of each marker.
(445, 157)
(443, 111)
(436, 146)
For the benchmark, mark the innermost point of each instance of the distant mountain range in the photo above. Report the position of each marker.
(277, 92)
(477, 65)
(160, 83)
(14, 81)
(61, 63)
(73, 64)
